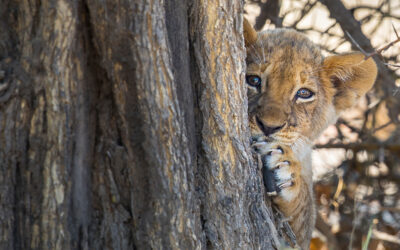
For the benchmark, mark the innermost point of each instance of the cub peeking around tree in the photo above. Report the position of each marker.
(294, 93)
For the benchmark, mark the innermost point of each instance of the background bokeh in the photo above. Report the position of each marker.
(357, 161)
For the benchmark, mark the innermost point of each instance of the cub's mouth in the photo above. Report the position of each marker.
(257, 130)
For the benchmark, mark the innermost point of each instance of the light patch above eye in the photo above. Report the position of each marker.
(302, 100)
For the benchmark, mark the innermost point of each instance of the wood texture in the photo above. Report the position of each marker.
(124, 126)
(233, 211)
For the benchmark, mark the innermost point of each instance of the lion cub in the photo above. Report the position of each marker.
(294, 93)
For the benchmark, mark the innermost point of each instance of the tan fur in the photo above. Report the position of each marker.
(287, 61)
(250, 35)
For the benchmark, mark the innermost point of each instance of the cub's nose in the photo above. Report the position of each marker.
(267, 130)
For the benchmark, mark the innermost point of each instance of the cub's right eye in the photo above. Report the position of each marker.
(253, 80)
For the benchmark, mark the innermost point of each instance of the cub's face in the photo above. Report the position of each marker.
(294, 93)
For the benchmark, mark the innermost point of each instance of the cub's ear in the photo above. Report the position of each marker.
(249, 33)
(352, 76)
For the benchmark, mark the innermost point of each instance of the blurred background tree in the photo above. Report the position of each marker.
(358, 183)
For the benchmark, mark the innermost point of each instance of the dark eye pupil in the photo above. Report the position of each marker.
(254, 81)
(304, 93)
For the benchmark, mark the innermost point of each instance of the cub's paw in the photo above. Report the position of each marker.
(260, 145)
(281, 171)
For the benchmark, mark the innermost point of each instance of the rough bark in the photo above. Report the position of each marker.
(124, 126)
(233, 212)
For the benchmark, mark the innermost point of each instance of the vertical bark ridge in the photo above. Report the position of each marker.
(137, 60)
(43, 172)
(215, 28)
(11, 113)
(125, 127)
(233, 209)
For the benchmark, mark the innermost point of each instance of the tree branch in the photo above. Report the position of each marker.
(361, 146)
(269, 10)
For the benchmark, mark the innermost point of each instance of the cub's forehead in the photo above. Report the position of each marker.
(286, 46)
(281, 70)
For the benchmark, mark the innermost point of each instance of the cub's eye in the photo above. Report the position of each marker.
(304, 93)
(253, 80)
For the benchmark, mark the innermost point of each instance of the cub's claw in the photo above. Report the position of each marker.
(261, 146)
(279, 165)
(285, 184)
(280, 171)
(275, 151)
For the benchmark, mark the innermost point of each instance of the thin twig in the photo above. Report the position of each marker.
(385, 236)
(381, 127)
(379, 51)
(353, 229)
(355, 43)
(397, 35)
(361, 146)
(367, 240)
(393, 65)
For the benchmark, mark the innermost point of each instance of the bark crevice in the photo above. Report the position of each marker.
(129, 128)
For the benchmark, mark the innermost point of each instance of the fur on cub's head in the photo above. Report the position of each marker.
(294, 92)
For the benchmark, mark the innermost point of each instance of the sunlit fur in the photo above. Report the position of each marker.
(286, 61)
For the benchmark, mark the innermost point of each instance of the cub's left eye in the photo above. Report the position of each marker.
(253, 80)
(304, 93)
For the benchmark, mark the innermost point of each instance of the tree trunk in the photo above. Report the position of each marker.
(124, 126)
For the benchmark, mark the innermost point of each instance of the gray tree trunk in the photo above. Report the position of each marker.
(124, 126)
